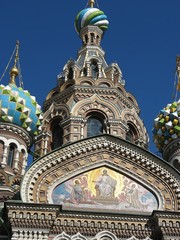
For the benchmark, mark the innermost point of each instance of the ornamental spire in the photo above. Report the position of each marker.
(14, 71)
(91, 3)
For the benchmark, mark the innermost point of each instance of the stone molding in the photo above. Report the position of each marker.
(53, 222)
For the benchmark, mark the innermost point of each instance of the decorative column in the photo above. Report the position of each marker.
(83, 124)
(74, 73)
(24, 164)
(46, 137)
(16, 160)
(88, 68)
(4, 156)
(66, 74)
(112, 74)
(99, 70)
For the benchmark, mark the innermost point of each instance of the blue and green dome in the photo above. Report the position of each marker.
(91, 16)
(167, 125)
(18, 107)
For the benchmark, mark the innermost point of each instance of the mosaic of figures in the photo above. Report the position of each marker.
(103, 188)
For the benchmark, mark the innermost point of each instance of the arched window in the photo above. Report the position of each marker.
(131, 135)
(57, 135)
(92, 37)
(70, 75)
(97, 39)
(94, 69)
(94, 126)
(85, 71)
(11, 155)
(86, 38)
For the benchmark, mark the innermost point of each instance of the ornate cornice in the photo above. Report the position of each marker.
(19, 132)
(110, 93)
(55, 220)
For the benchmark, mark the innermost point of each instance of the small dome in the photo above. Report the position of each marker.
(17, 106)
(91, 16)
(167, 125)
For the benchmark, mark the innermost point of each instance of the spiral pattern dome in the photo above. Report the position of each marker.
(91, 16)
(167, 125)
(17, 106)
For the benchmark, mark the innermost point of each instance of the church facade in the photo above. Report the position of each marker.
(92, 176)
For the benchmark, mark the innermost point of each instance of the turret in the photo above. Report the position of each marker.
(167, 128)
(20, 121)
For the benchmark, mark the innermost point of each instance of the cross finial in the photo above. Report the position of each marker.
(91, 3)
(14, 71)
(17, 54)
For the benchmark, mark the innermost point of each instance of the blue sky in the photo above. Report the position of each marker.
(143, 38)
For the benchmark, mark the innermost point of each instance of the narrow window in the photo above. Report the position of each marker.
(70, 75)
(131, 135)
(11, 155)
(57, 135)
(94, 69)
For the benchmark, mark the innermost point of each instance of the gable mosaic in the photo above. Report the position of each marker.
(103, 188)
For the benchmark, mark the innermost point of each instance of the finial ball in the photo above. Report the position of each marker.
(14, 71)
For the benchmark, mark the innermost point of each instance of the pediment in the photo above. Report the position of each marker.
(88, 158)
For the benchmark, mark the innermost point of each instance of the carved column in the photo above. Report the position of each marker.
(100, 70)
(16, 160)
(66, 74)
(83, 124)
(112, 74)
(5, 155)
(74, 73)
(46, 140)
(24, 164)
(88, 69)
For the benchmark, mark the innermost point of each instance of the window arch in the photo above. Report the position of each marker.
(131, 135)
(95, 124)
(11, 154)
(57, 134)
(94, 127)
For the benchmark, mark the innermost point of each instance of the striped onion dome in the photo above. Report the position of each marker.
(167, 125)
(18, 107)
(91, 16)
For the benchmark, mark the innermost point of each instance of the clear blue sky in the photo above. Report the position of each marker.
(143, 38)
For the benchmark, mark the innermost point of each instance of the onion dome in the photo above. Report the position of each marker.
(167, 125)
(18, 107)
(91, 16)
